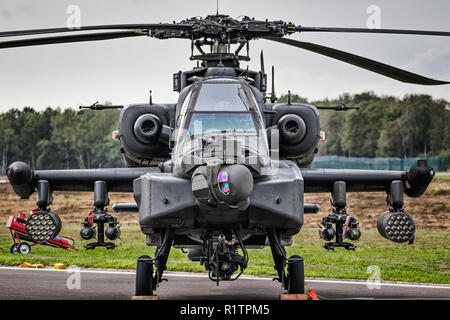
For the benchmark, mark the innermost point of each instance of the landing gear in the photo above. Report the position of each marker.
(144, 276)
(294, 281)
(296, 275)
(146, 280)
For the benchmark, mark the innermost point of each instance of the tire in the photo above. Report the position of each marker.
(144, 276)
(13, 248)
(24, 248)
(296, 274)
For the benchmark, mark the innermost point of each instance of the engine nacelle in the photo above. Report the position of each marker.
(145, 133)
(299, 131)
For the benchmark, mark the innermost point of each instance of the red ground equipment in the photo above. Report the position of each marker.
(17, 228)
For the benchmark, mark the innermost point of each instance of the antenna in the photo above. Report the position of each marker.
(261, 57)
(273, 97)
(150, 100)
(217, 6)
(263, 75)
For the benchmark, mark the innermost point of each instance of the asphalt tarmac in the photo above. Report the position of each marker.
(84, 284)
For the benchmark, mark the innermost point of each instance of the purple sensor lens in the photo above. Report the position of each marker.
(223, 176)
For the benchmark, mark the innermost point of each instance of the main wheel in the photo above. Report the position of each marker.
(13, 248)
(144, 276)
(296, 275)
(24, 248)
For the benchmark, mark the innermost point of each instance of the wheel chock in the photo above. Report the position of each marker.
(154, 297)
(34, 266)
(309, 295)
(294, 296)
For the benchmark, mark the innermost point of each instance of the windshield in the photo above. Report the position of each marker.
(221, 97)
(221, 122)
(221, 115)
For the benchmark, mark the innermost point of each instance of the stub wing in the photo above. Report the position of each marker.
(24, 180)
(415, 181)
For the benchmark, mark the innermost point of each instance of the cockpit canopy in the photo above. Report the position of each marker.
(203, 123)
(220, 109)
(219, 106)
(222, 96)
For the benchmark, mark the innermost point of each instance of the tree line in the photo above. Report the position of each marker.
(385, 126)
(60, 139)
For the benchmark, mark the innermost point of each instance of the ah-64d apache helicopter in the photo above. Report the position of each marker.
(226, 167)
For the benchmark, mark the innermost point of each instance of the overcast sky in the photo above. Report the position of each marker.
(123, 70)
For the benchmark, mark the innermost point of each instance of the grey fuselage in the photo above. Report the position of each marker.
(239, 135)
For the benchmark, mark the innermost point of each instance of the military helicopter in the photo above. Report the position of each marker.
(226, 167)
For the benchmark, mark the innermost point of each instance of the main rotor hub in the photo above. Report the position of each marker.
(219, 32)
(228, 30)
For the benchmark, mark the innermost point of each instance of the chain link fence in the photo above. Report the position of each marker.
(336, 162)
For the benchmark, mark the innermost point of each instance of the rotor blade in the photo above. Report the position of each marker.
(69, 38)
(363, 30)
(92, 28)
(365, 63)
